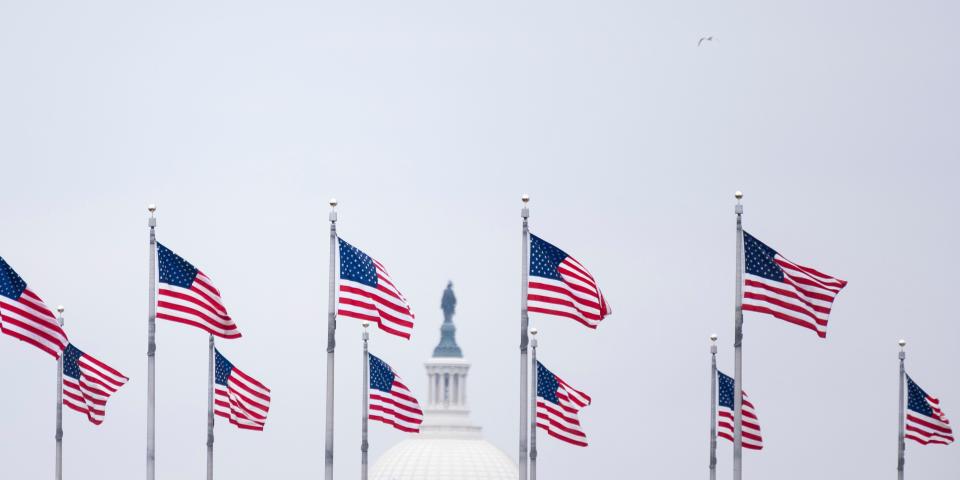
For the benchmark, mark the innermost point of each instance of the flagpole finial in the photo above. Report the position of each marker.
(60, 308)
(713, 343)
(713, 337)
(902, 343)
(366, 333)
(738, 194)
(333, 203)
(525, 198)
(534, 331)
(152, 208)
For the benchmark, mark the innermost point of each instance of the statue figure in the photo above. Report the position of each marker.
(448, 304)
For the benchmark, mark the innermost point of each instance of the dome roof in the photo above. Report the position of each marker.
(419, 458)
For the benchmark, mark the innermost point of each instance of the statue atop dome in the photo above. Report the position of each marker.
(448, 343)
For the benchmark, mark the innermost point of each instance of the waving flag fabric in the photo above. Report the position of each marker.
(239, 397)
(925, 423)
(559, 285)
(391, 402)
(367, 293)
(88, 383)
(188, 296)
(558, 407)
(725, 415)
(788, 291)
(24, 316)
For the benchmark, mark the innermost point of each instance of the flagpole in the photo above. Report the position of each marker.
(713, 407)
(524, 325)
(210, 420)
(364, 445)
(533, 404)
(331, 342)
(152, 347)
(901, 444)
(737, 351)
(59, 435)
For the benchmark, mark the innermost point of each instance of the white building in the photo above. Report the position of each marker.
(448, 446)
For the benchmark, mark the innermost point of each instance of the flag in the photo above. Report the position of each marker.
(188, 296)
(558, 407)
(88, 383)
(750, 432)
(367, 293)
(559, 285)
(24, 316)
(925, 422)
(786, 290)
(238, 396)
(391, 402)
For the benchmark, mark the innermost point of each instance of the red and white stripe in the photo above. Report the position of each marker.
(929, 430)
(90, 393)
(199, 306)
(750, 432)
(30, 320)
(804, 298)
(244, 401)
(576, 296)
(397, 408)
(384, 305)
(562, 420)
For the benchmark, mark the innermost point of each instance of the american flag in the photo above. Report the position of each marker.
(559, 285)
(88, 383)
(390, 400)
(238, 396)
(925, 422)
(367, 293)
(786, 290)
(558, 407)
(24, 316)
(188, 296)
(725, 414)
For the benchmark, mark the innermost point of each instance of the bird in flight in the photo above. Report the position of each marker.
(705, 39)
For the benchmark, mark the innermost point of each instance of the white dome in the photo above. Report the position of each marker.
(444, 459)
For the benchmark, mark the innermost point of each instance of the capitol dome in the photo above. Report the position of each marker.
(448, 446)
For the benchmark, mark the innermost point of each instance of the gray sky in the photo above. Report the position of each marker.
(428, 119)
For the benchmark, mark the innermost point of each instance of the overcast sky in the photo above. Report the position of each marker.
(427, 120)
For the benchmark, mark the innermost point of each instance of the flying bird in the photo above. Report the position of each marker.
(705, 39)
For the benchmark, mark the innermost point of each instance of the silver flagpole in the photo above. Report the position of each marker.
(533, 404)
(738, 354)
(713, 407)
(364, 445)
(152, 347)
(59, 435)
(210, 420)
(901, 443)
(331, 342)
(524, 325)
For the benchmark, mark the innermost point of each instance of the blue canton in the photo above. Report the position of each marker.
(381, 376)
(759, 259)
(71, 362)
(222, 369)
(356, 266)
(917, 399)
(725, 398)
(547, 384)
(545, 259)
(174, 270)
(11, 285)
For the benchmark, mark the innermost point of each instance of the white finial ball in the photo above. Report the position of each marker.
(60, 308)
(739, 194)
(713, 337)
(525, 198)
(333, 202)
(533, 331)
(152, 208)
(902, 343)
(365, 324)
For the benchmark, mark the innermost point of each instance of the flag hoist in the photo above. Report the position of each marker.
(59, 434)
(900, 444)
(524, 327)
(152, 347)
(737, 353)
(365, 402)
(331, 343)
(713, 407)
(533, 405)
